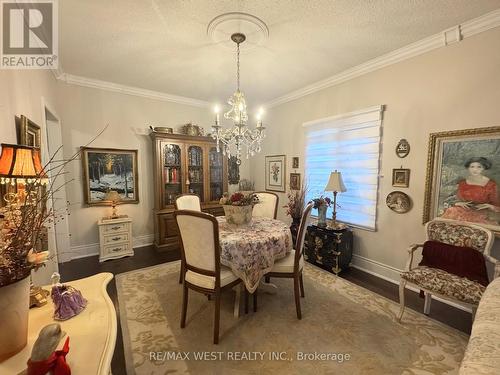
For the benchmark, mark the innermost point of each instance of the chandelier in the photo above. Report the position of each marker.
(240, 135)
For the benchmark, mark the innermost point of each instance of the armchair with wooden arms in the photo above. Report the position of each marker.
(463, 237)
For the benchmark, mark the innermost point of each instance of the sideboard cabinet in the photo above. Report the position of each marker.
(328, 248)
(185, 164)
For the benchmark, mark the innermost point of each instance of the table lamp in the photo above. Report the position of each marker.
(20, 165)
(114, 198)
(336, 185)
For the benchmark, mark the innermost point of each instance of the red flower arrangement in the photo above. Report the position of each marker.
(239, 199)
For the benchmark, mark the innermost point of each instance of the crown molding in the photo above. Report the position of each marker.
(446, 37)
(129, 90)
(442, 39)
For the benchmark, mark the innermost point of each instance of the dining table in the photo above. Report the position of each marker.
(251, 250)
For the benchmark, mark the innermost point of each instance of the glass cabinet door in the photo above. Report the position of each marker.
(216, 166)
(195, 171)
(172, 172)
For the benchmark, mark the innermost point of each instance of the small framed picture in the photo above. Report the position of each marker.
(295, 162)
(401, 177)
(28, 133)
(294, 181)
(275, 173)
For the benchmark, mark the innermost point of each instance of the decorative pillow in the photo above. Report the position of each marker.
(460, 261)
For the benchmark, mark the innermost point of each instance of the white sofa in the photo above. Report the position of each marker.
(482, 356)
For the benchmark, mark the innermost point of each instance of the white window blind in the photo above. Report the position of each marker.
(349, 143)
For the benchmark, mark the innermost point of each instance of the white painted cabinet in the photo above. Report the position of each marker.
(115, 237)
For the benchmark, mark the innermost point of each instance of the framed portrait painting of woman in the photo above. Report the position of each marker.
(463, 173)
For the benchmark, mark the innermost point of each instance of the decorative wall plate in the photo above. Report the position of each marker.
(403, 148)
(398, 202)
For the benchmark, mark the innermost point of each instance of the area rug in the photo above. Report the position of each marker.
(345, 329)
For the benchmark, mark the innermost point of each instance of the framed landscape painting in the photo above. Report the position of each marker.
(275, 173)
(106, 169)
(463, 174)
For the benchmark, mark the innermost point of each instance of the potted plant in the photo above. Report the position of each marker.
(238, 207)
(322, 204)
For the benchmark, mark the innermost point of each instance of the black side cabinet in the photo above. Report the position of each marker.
(328, 248)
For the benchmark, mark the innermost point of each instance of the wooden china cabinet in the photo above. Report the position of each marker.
(185, 164)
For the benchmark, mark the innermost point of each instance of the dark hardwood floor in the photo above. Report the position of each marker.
(147, 256)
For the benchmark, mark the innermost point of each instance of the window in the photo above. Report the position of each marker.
(349, 143)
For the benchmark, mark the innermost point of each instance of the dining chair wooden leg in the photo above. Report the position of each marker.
(217, 317)
(301, 286)
(296, 288)
(246, 301)
(402, 284)
(181, 274)
(184, 305)
(255, 301)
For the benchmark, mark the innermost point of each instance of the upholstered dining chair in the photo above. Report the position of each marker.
(452, 266)
(267, 206)
(200, 250)
(292, 265)
(187, 202)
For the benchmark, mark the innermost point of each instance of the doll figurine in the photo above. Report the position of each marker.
(68, 301)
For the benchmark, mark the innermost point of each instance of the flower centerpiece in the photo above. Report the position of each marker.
(322, 204)
(238, 207)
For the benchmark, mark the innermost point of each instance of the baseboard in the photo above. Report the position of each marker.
(83, 251)
(391, 274)
(142, 241)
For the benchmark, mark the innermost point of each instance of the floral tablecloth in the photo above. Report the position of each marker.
(250, 250)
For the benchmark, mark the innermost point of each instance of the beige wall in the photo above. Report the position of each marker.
(455, 87)
(21, 92)
(85, 112)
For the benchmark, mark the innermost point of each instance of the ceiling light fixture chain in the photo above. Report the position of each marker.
(239, 135)
(238, 66)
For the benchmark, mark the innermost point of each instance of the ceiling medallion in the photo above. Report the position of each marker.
(252, 27)
(239, 134)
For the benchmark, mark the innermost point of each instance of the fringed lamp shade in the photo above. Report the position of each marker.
(21, 164)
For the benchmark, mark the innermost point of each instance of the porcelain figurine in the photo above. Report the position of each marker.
(68, 301)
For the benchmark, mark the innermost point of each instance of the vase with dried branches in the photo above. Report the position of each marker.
(24, 221)
(23, 229)
(295, 207)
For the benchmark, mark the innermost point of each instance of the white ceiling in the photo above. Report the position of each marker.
(162, 45)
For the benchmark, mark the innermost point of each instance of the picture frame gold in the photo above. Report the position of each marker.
(447, 185)
(28, 133)
(295, 181)
(401, 177)
(96, 162)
